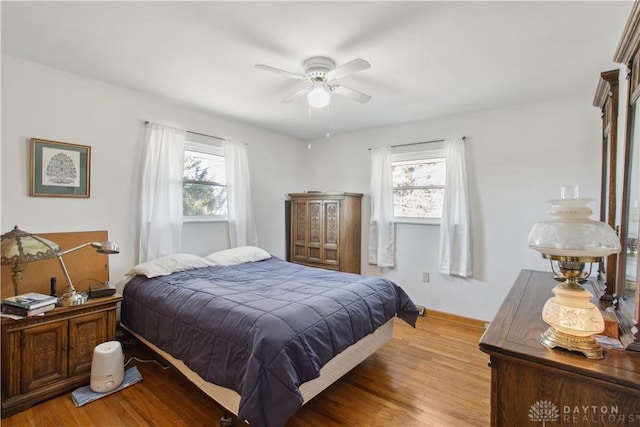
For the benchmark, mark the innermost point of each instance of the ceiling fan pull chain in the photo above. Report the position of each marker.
(328, 134)
(309, 123)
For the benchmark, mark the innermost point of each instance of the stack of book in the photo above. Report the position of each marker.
(29, 304)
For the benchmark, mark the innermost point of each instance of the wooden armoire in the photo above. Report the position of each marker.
(324, 230)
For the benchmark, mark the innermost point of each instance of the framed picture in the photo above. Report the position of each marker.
(59, 169)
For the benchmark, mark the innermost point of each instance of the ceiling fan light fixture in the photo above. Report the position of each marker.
(321, 73)
(318, 97)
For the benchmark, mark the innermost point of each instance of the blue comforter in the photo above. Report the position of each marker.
(260, 328)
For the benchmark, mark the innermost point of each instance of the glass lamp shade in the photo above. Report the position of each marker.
(19, 247)
(572, 239)
(571, 233)
(318, 97)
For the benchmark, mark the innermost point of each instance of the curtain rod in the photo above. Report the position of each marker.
(197, 133)
(418, 143)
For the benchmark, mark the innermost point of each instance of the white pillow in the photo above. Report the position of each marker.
(169, 264)
(238, 255)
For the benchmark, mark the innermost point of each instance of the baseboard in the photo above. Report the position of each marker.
(481, 324)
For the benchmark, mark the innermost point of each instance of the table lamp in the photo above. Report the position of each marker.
(19, 247)
(72, 297)
(572, 239)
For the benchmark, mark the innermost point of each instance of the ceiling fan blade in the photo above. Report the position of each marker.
(348, 68)
(351, 93)
(297, 94)
(279, 71)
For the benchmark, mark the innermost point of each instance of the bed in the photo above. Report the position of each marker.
(260, 335)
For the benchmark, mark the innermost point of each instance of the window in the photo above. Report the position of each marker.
(204, 189)
(418, 186)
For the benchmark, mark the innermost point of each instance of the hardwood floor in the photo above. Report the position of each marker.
(433, 375)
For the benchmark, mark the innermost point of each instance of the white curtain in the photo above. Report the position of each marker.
(455, 233)
(242, 227)
(161, 192)
(382, 226)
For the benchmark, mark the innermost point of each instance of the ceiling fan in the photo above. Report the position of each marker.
(321, 73)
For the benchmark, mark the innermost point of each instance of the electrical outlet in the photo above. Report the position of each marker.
(425, 277)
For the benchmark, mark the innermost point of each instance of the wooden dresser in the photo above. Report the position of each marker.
(325, 230)
(534, 386)
(46, 355)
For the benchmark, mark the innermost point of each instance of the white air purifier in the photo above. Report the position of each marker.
(107, 367)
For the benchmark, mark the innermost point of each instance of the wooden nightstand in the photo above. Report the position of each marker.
(47, 355)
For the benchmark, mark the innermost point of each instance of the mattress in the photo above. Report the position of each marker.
(261, 328)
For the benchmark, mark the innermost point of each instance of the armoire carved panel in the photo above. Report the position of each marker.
(325, 230)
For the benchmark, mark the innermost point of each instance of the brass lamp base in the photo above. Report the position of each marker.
(586, 345)
(70, 299)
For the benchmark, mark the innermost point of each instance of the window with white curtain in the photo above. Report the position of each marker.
(204, 195)
(418, 185)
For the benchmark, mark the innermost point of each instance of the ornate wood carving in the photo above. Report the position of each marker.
(44, 358)
(84, 334)
(315, 222)
(332, 224)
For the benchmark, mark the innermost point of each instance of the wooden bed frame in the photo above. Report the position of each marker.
(330, 373)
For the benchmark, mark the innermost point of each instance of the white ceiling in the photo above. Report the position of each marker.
(427, 58)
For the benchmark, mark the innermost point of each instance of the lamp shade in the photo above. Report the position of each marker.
(318, 97)
(20, 246)
(107, 247)
(571, 233)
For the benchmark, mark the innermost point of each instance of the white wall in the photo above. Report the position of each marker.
(46, 103)
(518, 158)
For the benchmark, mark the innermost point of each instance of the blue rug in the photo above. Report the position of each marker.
(84, 395)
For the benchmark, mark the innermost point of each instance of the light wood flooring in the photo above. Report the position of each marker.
(433, 375)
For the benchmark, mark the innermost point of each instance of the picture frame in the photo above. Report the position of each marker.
(59, 169)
